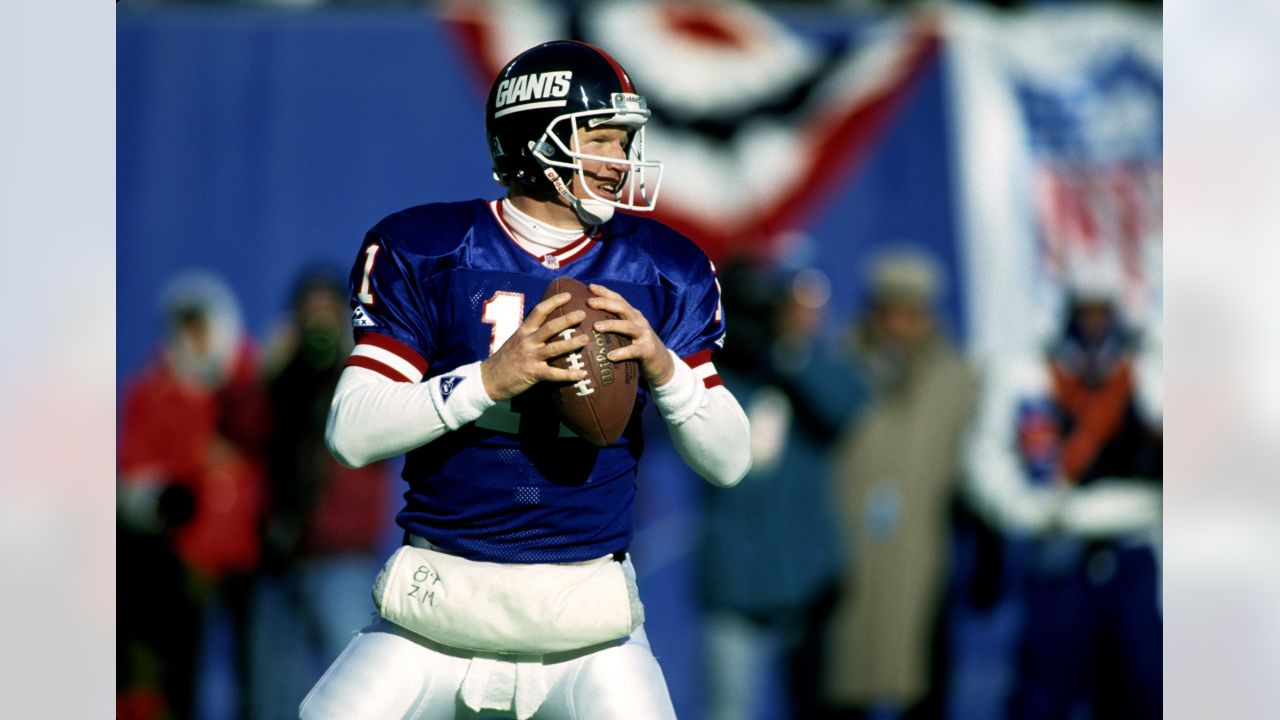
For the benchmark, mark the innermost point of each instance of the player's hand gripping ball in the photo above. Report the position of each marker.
(599, 406)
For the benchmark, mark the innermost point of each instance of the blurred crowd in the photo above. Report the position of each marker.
(898, 492)
(901, 491)
(231, 511)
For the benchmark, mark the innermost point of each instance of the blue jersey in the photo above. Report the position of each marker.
(439, 286)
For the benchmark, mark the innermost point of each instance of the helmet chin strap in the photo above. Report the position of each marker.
(590, 211)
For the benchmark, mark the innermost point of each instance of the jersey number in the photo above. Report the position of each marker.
(504, 311)
(366, 293)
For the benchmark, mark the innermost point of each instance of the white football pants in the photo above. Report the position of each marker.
(388, 673)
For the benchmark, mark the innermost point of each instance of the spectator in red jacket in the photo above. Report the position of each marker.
(192, 430)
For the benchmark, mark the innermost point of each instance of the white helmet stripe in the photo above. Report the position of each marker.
(530, 106)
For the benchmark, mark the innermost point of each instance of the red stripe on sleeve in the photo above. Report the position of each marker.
(394, 346)
(702, 357)
(378, 367)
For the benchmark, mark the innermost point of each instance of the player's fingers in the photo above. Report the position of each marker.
(617, 306)
(555, 374)
(539, 314)
(630, 328)
(610, 301)
(633, 351)
(603, 291)
(557, 326)
(563, 347)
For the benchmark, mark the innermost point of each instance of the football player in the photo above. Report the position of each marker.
(507, 515)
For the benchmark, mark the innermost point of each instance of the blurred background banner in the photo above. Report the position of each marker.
(1060, 164)
(756, 122)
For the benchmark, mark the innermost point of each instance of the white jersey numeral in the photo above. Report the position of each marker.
(719, 303)
(504, 311)
(366, 295)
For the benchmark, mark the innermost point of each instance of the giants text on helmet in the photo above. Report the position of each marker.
(534, 86)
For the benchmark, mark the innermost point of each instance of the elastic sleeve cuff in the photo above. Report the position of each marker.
(682, 396)
(459, 395)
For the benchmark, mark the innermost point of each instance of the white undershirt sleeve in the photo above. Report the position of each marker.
(373, 417)
(707, 426)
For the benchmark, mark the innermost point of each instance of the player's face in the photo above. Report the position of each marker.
(605, 178)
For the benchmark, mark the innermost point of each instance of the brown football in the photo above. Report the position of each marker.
(598, 407)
